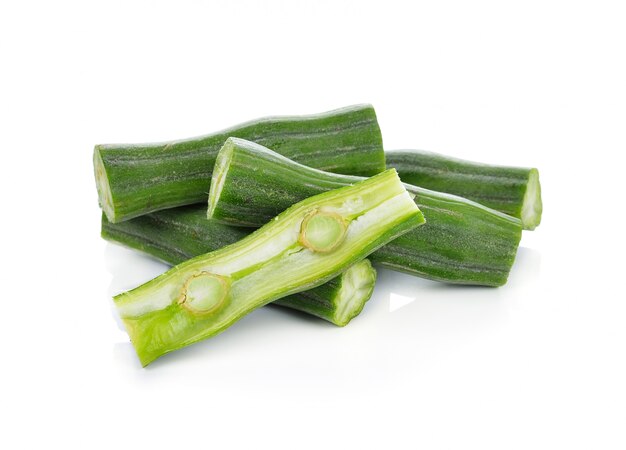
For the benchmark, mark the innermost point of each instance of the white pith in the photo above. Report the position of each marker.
(290, 269)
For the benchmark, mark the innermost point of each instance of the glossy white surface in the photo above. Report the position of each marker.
(537, 364)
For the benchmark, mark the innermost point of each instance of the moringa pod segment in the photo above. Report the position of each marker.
(269, 264)
(178, 234)
(462, 241)
(135, 179)
(512, 190)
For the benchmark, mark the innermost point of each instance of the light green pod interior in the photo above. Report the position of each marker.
(204, 293)
(303, 247)
(322, 232)
(532, 206)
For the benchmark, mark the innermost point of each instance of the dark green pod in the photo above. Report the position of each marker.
(512, 190)
(135, 179)
(462, 241)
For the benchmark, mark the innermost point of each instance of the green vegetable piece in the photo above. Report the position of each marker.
(266, 265)
(515, 191)
(462, 242)
(135, 179)
(178, 234)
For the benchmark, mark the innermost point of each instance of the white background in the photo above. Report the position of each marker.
(539, 363)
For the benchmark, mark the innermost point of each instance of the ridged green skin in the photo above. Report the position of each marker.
(173, 235)
(271, 263)
(498, 187)
(462, 241)
(178, 234)
(135, 179)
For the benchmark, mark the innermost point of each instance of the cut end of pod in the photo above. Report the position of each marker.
(220, 171)
(105, 197)
(357, 286)
(532, 206)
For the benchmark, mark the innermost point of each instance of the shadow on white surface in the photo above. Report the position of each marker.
(130, 268)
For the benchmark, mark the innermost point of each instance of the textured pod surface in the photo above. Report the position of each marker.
(135, 179)
(267, 265)
(178, 234)
(462, 241)
(515, 191)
